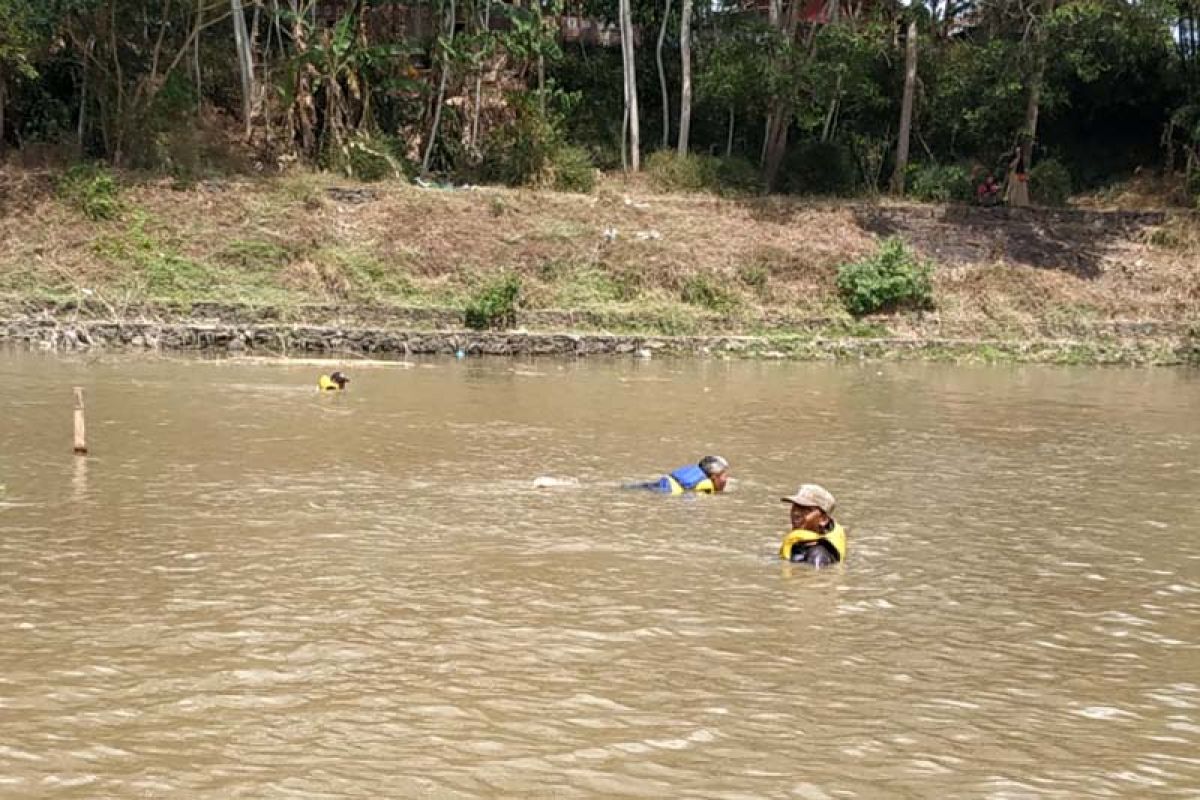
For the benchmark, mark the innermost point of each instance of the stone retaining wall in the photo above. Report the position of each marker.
(335, 341)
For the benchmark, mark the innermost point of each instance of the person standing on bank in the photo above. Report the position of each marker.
(816, 539)
(1016, 194)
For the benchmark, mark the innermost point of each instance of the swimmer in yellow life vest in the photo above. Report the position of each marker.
(332, 383)
(707, 477)
(816, 539)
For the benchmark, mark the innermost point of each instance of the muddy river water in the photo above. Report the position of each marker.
(251, 590)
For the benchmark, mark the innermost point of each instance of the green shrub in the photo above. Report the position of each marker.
(495, 305)
(696, 172)
(529, 150)
(92, 190)
(737, 175)
(1192, 186)
(756, 277)
(816, 167)
(890, 279)
(1049, 183)
(672, 172)
(573, 170)
(702, 290)
(520, 152)
(153, 264)
(372, 158)
(940, 183)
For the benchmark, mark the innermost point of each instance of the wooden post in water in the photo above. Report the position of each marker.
(80, 430)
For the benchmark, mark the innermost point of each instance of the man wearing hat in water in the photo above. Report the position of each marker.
(332, 383)
(707, 477)
(816, 539)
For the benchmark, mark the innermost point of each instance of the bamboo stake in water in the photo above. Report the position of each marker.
(80, 430)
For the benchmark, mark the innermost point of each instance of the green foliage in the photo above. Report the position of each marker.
(156, 265)
(940, 183)
(756, 277)
(253, 254)
(820, 168)
(1113, 71)
(732, 65)
(530, 150)
(1191, 185)
(92, 190)
(675, 173)
(707, 292)
(893, 278)
(1049, 183)
(573, 170)
(18, 34)
(372, 158)
(975, 96)
(694, 172)
(495, 304)
(343, 71)
(738, 176)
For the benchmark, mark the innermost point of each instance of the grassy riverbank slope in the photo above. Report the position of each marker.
(623, 259)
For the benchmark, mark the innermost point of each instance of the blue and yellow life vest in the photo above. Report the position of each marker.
(835, 539)
(328, 384)
(688, 479)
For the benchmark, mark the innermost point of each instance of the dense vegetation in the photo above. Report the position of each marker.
(820, 97)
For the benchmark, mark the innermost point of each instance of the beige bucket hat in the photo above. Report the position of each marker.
(812, 496)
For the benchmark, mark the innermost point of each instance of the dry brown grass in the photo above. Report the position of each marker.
(286, 239)
(1145, 190)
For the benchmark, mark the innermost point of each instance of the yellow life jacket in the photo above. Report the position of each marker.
(703, 487)
(327, 384)
(835, 539)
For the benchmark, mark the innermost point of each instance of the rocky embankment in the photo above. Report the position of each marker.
(382, 332)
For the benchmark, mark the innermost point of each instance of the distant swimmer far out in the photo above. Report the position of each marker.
(816, 539)
(709, 476)
(332, 383)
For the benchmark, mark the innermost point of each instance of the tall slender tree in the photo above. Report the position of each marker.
(685, 93)
(906, 105)
(631, 99)
(662, 76)
(245, 62)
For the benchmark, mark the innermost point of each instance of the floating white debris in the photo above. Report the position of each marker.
(550, 482)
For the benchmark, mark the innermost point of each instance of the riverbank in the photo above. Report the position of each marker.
(378, 332)
(312, 264)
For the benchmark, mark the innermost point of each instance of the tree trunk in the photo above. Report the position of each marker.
(830, 125)
(3, 104)
(625, 140)
(768, 126)
(487, 26)
(631, 99)
(1033, 101)
(685, 93)
(781, 120)
(542, 82)
(781, 110)
(662, 77)
(729, 139)
(906, 106)
(196, 59)
(441, 95)
(245, 63)
(81, 130)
